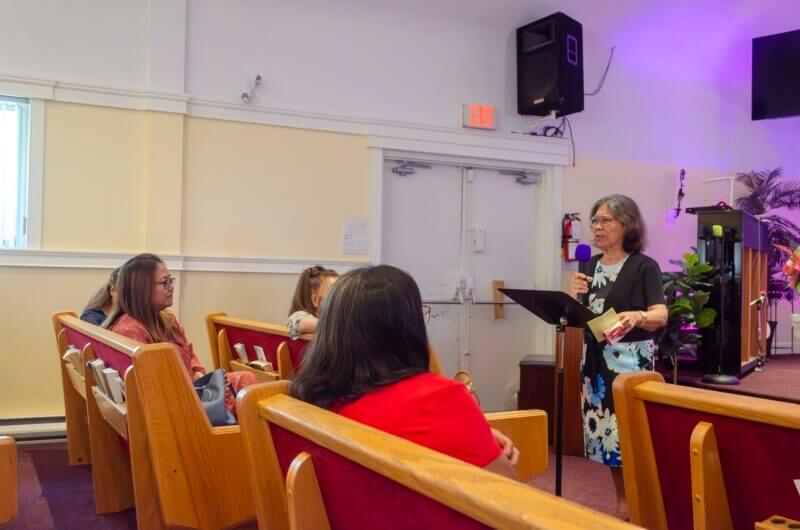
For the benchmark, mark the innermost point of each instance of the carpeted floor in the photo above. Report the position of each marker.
(54, 495)
(780, 380)
(584, 482)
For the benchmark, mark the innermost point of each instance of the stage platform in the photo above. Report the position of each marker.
(780, 380)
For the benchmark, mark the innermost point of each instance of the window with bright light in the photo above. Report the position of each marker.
(14, 169)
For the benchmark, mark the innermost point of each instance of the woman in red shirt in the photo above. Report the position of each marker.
(369, 361)
(144, 292)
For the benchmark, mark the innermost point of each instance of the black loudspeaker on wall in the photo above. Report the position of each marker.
(550, 66)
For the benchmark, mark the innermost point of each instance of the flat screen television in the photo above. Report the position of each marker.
(776, 76)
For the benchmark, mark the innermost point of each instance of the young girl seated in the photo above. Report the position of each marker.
(145, 289)
(101, 303)
(369, 361)
(312, 286)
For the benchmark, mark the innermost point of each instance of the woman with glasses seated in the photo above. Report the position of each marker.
(144, 292)
(369, 362)
(626, 280)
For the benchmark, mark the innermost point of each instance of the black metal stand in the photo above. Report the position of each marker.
(719, 378)
(559, 430)
(557, 309)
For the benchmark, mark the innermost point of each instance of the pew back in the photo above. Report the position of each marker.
(371, 479)
(756, 442)
(224, 332)
(107, 420)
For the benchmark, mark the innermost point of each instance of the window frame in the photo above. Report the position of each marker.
(32, 204)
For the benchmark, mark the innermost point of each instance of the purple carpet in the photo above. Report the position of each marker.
(780, 380)
(584, 482)
(54, 495)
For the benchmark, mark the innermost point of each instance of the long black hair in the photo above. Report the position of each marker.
(371, 333)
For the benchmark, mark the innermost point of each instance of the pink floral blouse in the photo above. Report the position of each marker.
(132, 328)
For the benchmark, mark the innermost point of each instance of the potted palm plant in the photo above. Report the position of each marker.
(768, 191)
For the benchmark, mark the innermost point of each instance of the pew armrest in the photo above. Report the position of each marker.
(8, 480)
(710, 508)
(528, 431)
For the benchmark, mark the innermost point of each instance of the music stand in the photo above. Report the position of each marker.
(559, 309)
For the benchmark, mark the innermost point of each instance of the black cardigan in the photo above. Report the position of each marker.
(637, 287)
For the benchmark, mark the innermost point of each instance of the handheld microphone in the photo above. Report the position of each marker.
(583, 254)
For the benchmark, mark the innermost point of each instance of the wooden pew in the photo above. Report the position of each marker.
(107, 423)
(697, 458)
(9, 501)
(343, 474)
(225, 331)
(182, 471)
(200, 470)
(74, 390)
(122, 472)
(284, 353)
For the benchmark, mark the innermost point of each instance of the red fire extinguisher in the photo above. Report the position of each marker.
(570, 235)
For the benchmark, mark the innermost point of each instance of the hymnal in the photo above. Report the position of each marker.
(97, 366)
(241, 351)
(74, 357)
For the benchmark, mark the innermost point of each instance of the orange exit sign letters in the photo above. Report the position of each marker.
(477, 116)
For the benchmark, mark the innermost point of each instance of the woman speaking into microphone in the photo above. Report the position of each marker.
(622, 278)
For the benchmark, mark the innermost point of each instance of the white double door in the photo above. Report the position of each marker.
(455, 230)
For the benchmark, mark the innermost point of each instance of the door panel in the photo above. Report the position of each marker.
(422, 235)
(424, 217)
(505, 211)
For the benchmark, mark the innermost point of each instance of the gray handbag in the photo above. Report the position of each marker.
(211, 390)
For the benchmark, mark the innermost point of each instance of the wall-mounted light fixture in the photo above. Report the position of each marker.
(248, 95)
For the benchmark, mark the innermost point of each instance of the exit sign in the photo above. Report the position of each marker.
(477, 116)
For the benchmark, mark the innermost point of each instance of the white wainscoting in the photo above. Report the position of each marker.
(176, 262)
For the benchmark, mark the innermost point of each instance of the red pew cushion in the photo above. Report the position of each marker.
(759, 465)
(356, 497)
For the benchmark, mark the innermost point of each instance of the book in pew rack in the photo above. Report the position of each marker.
(261, 364)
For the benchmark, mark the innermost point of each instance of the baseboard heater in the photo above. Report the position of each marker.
(42, 429)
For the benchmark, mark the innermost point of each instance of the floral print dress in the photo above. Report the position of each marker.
(601, 363)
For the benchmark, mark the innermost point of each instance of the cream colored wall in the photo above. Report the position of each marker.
(263, 297)
(128, 181)
(93, 166)
(162, 208)
(30, 381)
(253, 190)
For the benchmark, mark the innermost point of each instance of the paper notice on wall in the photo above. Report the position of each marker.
(355, 237)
